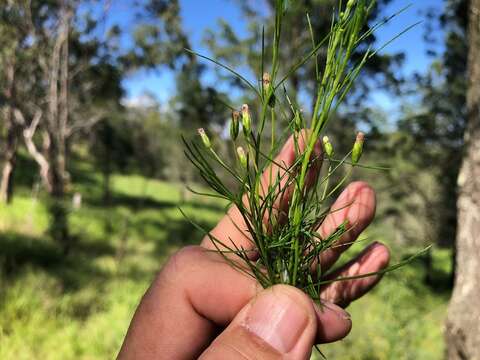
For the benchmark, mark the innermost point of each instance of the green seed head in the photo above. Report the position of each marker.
(246, 120)
(234, 125)
(327, 146)
(358, 148)
(242, 157)
(204, 137)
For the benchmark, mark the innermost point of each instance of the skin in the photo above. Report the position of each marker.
(198, 306)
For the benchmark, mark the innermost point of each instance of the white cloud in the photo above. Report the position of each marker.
(144, 100)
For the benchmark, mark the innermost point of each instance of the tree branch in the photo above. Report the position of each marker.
(84, 124)
(28, 133)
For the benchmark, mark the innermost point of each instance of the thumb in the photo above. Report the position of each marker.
(279, 323)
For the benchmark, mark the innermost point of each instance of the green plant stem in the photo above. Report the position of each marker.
(327, 181)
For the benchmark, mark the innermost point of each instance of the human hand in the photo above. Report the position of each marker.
(200, 306)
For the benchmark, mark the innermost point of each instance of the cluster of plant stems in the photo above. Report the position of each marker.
(286, 245)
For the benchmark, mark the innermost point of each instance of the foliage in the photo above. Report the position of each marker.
(305, 18)
(435, 123)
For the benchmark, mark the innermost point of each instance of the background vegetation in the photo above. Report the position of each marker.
(92, 180)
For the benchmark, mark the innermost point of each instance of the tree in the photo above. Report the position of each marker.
(39, 82)
(67, 72)
(462, 331)
(296, 41)
(237, 50)
(434, 118)
(12, 130)
(13, 53)
(63, 104)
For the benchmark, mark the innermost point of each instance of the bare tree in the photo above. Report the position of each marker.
(462, 327)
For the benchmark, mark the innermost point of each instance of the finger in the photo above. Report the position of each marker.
(373, 259)
(280, 323)
(195, 293)
(232, 229)
(285, 186)
(355, 205)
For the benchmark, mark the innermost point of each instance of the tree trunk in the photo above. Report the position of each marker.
(58, 172)
(462, 327)
(10, 157)
(107, 172)
(57, 124)
(11, 143)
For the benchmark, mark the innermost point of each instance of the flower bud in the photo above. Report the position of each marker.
(344, 15)
(242, 157)
(266, 80)
(234, 125)
(357, 148)
(246, 120)
(327, 146)
(267, 91)
(204, 137)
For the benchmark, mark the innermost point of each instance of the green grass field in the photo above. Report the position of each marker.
(79, 306)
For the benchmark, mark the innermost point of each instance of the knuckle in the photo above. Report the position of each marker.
(360, 185)
(180, 264)
(186, 254)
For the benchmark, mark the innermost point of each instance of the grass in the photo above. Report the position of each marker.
(79, 306)
(402, 319)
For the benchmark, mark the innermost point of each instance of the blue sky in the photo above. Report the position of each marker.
(199, 15)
